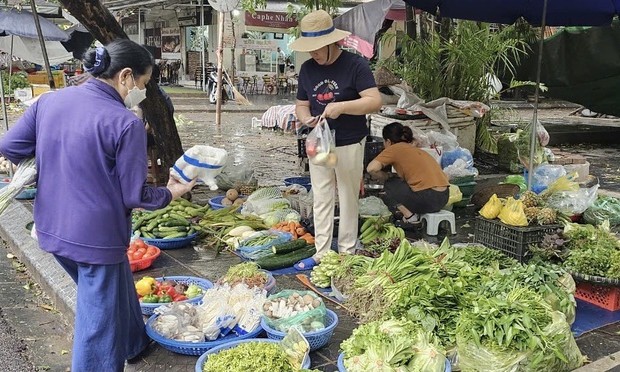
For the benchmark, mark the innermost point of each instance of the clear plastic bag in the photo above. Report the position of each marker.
(445, 139)
(455, 195)
(295, 346)
(604, 208)
(234, 176)
(543, 135)
(321, 145)
(373, 206)
(561, 339)
(302, 309)
(573, 202)
(215, 316)
(451, 156)
(546, 174)
(420, 139)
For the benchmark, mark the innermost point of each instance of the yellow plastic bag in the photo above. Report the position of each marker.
(512, 213)
(455, 195)
(492, 208)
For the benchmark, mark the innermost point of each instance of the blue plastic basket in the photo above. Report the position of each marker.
(316, 339)
(303, 181)
(216, 202)
(174, 243)
(270, 286)
(194, 348)
(341, 367)
(203, 358)
(148, 308)
(25, 194)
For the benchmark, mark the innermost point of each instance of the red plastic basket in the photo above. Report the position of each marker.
(144, 263)
(602, 296)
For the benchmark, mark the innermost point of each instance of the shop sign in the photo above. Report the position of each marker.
(256, 44)
(272, 20)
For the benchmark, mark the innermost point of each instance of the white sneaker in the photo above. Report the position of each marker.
(412, 220)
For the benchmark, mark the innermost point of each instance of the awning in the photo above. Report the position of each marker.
(559, 12)
(30, 50)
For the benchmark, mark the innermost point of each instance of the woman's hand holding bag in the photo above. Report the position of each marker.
(321, 145)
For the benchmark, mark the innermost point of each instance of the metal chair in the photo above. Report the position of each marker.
(198, 77)
(268, 85)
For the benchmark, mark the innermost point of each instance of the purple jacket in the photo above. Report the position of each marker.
(92, 166)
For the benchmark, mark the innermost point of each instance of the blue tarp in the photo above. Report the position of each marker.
(559, 12)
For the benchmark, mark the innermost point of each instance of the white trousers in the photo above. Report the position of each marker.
(348, 176)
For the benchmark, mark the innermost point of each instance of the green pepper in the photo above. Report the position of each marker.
(150, 299)
(165, 298)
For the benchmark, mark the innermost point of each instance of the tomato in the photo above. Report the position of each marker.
(141, 250)
(139, 243)
(147, 255)
(130, 256)
(152, 250)
(138, 255)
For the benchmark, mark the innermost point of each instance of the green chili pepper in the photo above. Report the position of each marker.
(165, 298)
(150, 299)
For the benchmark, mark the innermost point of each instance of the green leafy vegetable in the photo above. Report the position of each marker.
(249, 356)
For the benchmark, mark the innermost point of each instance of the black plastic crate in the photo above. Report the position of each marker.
(374, 146)
(512, 241)
(301, 148)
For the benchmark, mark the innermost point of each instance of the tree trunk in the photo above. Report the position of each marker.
(104, 27)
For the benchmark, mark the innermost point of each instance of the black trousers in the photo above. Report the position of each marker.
(397, 191)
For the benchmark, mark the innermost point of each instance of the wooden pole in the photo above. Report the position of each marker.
(46, 60)
(220, 67)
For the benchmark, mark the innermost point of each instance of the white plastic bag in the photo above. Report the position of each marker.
(202, 162)
(321, 145)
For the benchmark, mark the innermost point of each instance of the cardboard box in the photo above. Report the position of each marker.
(38, 89)
(40, 78)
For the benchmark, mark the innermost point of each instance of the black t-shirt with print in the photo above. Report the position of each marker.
(338, 82)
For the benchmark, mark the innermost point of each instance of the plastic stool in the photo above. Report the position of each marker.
(434, 219)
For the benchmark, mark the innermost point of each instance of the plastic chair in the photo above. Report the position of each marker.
(433, 220)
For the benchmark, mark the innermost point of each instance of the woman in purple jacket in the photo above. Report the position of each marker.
(92, 166)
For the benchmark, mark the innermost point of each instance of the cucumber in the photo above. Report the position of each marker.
(288, 246)
(279, 261)
(176, 235)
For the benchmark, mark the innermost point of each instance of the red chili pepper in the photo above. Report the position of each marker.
(180, 298)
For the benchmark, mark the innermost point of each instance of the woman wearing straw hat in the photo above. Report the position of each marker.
(338, 86)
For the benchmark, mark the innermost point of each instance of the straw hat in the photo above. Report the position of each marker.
(317, 31)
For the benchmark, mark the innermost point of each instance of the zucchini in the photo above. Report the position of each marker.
(279, 261)
(288, 246)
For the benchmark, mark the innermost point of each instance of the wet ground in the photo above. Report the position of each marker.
(273, 156)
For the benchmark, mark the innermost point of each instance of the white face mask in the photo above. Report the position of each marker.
(135, 95)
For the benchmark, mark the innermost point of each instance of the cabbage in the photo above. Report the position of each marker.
(392, 345)
(427, 357)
